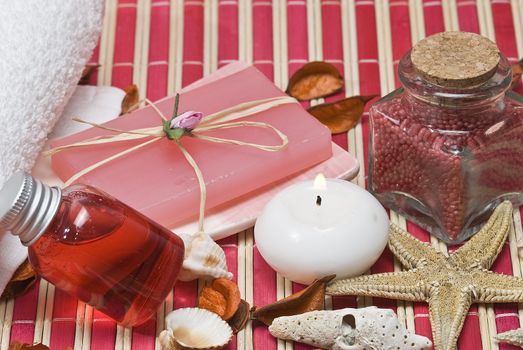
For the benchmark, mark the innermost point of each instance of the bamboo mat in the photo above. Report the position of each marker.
(164, 45)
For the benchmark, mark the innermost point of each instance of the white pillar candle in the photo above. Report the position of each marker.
(313, 229)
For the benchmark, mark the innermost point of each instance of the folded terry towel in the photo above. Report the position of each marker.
(45, 46)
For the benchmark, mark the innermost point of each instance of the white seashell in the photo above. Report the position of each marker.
(194, 328)
(203, 258)
(349, 329)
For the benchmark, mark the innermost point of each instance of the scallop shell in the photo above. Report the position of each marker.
(194, 328)
(204, 258)
(349, 329)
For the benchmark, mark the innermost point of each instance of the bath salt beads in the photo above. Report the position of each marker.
(445, 151)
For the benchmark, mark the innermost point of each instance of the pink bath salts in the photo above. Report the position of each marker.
(447, 147)
(456, 175)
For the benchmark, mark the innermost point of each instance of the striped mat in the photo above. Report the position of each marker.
(164, 45)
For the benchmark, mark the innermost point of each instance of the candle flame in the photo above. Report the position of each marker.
(319, 182)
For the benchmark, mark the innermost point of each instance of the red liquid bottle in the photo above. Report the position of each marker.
(93, 246)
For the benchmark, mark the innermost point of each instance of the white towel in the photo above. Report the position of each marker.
(45, 46)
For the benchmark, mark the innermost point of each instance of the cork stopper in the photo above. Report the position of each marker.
(455, 59)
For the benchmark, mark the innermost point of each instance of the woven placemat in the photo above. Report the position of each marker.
(164, 45)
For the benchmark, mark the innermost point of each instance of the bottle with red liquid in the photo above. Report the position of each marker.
(447, 146)
(93, 246)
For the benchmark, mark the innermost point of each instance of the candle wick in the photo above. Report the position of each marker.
(318, 201)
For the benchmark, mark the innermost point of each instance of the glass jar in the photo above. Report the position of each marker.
(93, 246)
(444, 152)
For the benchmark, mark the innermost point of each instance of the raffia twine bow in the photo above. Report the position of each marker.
(223, 119)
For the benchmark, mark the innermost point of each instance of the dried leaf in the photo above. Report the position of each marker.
(240, 318)
(517, 71)
(342, 115)
(87, 72)
(231, 292)
(309, 299)
(222, 298)
(314, 80)
(131, 100)
(212, 300)
(22, 279)
(20, 346)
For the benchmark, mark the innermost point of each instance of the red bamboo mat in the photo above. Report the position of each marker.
(163, 45)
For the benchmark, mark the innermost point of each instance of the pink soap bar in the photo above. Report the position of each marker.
(158, 181)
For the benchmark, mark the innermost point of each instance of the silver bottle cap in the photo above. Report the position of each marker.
(27, 207)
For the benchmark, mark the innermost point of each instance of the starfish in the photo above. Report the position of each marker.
(449, 283)
(514, 337)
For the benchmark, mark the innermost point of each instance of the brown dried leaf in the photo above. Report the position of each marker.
(131, 100)
(314, 80)
(309, 299)
(517, 71)
(22, 279)
(222, 298)
(231, 292)
(212, 300)
(240, 318)
(20, 346)
(342, 115)
(87, 72)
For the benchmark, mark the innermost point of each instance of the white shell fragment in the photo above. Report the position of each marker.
(194, 328)
(349, 329)
(204, 258)
(513, 337)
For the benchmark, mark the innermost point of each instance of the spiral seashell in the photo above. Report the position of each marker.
(204, 258)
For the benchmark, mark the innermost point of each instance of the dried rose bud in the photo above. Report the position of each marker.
(188, 120)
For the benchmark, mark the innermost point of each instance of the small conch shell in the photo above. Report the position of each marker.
(204, 258)
(194, 328)
(349, 329)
